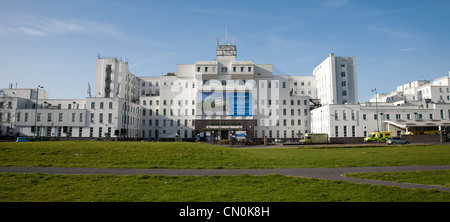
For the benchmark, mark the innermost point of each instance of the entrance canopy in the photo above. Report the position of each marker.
(226, 127)
(418, 125)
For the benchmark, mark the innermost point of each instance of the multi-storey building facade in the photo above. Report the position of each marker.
(336, 81)
(212, 100)
(415, 107)
(205, 100)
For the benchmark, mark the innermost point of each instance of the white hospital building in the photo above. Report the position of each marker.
(211, 100)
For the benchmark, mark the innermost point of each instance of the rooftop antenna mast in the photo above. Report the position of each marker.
(226, 33)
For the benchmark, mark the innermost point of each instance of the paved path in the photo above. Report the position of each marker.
(319, 173)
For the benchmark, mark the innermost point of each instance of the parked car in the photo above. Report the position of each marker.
(23, 139)
(397, 140)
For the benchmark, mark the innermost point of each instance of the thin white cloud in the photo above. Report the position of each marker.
(333, 3)
(393, 32)
(205, 10)
(28, 31)
(43, 26)
(408, 49)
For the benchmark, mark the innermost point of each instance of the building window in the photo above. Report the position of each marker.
(60, 117)
(249, 69)
(342, 74)
(336, 131)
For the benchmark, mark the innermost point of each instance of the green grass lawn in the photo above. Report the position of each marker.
(240, 188)
(204, 156)
(434, 177)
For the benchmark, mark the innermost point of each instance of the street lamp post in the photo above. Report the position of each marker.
(35, 108)
(378, 116)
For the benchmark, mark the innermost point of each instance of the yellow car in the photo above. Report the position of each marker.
(306, 139)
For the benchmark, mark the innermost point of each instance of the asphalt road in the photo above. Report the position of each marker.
(319, 173)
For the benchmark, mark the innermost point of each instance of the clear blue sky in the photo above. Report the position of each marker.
(56, 43)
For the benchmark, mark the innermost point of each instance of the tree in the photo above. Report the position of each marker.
(7, 114)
